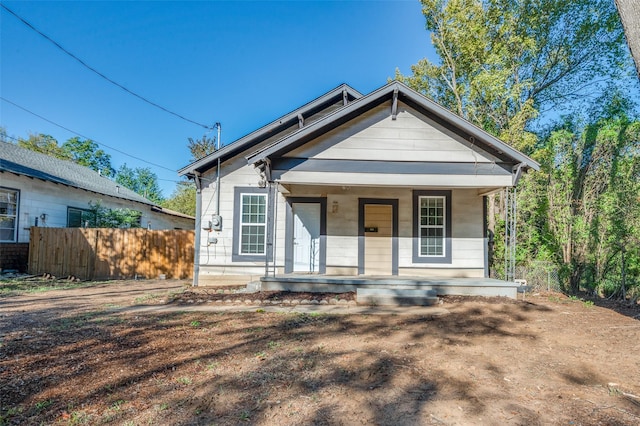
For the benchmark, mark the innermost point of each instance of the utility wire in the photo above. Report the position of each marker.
(101, 74)
(83, 136)
(165, 180)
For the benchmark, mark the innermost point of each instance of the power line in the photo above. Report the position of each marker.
(83, 136)
(101, 74)
(164, 180)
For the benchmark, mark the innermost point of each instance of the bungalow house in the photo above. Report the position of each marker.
(39, 190)
(351, 190)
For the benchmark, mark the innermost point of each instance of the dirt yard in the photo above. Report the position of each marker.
(90, 356)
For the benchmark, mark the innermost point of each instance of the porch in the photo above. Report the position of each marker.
(399, 285)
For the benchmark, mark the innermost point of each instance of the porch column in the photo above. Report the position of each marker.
(510, 210)
(270, 266)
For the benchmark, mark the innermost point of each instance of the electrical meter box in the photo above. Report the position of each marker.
(216, 222)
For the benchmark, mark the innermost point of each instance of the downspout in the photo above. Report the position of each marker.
(196, 241)
(218, 173)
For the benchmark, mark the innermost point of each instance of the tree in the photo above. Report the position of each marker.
(87, 153)
(44, 144)
(583, 210)
(140, 180)
(503, 61)
(200, 148)
(507, 65)
(183, 198)
(99, 216)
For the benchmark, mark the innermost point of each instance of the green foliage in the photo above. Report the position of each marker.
(583, 210)
(83, 152)
(140, 180)
(183, 199)
(502, 61)
(103, 217)
(87, 153)
(4, 137)
(44, 144)
(200, 148)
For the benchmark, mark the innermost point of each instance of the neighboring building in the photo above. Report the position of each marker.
(387, 184)
(39, 190)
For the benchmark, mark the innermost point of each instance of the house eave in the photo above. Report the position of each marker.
(263, 133)
(58, 181)
(387, 93)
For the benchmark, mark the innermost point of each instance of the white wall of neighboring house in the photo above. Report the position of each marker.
(38, 197)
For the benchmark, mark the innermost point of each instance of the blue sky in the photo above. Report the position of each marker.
(242, 64)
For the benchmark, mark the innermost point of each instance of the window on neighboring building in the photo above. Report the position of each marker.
(432, 227)
(250, 224)
(76, 218)
(9, 202)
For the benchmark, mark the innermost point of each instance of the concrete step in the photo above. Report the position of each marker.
(396, 297)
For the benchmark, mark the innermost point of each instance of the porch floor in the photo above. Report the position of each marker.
(340, 284)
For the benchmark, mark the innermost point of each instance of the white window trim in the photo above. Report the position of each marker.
(443, 226)
(15, 216)
(448, 222)
(243, 224)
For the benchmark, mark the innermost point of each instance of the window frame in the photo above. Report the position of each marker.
(418, 195)
(16, 216)
(81, 210)
(237, 255)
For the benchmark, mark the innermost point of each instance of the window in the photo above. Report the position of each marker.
(77, 218)
(253, 223)
(9, 201)
(432, 227)
(250, 224)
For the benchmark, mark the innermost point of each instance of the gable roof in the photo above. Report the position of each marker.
(24, 162)
(286, 124)
(400, 92)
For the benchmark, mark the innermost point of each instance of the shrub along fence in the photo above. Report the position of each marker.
(106, 253)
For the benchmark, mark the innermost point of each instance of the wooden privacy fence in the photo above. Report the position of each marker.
(105, 253)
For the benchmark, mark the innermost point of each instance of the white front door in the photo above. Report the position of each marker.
(306, 237)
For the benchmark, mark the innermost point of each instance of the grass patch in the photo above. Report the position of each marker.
(18, 286)
(146, 298)
(185, 380)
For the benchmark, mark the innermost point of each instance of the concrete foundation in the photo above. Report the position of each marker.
(340, 284)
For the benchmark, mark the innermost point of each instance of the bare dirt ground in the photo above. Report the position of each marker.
(86, 356)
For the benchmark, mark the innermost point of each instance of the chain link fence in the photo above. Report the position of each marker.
(540, 276)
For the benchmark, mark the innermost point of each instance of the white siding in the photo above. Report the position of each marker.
(373, 136)
(342, 231)
(38, 197)
(376, 136)
(216, 258)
